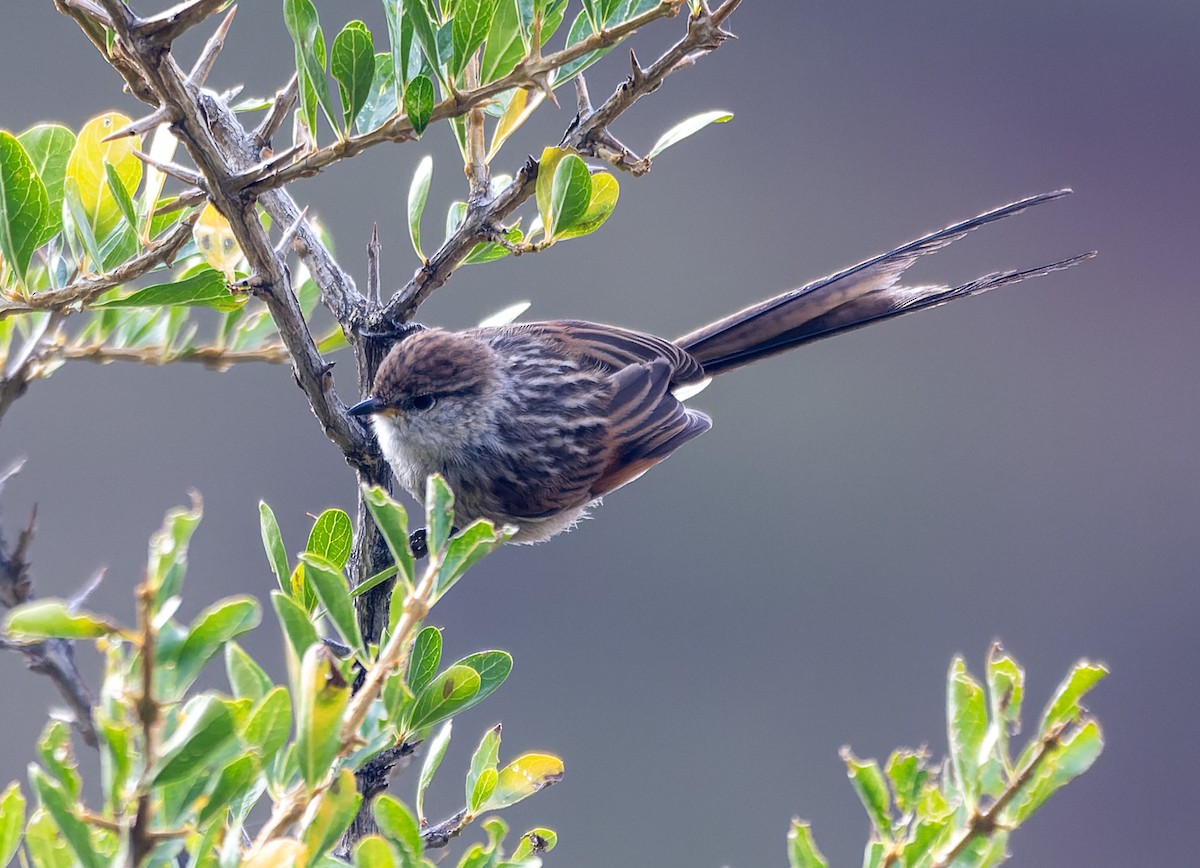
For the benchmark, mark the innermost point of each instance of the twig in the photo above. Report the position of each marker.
(168, 25)
(141, 841)
(79, 293)
(531, 73)
(984, 823)
(53, 658)
(440, 834)
(281, 107)
(198, 115)
(392, 658)
(212, 357)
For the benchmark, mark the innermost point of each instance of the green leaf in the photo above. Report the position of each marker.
(570, 195)
(334, 812)
(214, 627)
(523, 777)
(481, 789)
(272, 540)
(425, 24)
(905, 769)
(167, 560)
(442, 698)
(802, 849)
(334, 594)
(472, 21)
(418, 192)
(686, 128)
(439, 512)
(12, 821)
(205, 288)
(929, 835)
(1006, 688)
(300, 17)
(465, 549)
(51, 618)
(1063, 762)
(546, 840)
(396, 822)
(296, 624)
(47, 847)
(485, 758)
(120, 195)
(580, 29)
(1064, 705)
(207, 724)
(418, 102)
(246, 678)
(321, 698)
(24, 205)
(332, 537)
(492, 667)
(49, 147)
(383, 99)
(872, 789)
(426, 655)
(60, 806)
(269, 724)
(58, 758)
(434, 751)
(966, 723)
(490, 251)
(232, 780)
(352, 62)
(374, 851)
(392, 521)
(600, 206)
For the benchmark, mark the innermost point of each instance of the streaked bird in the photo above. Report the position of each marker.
(533, 423)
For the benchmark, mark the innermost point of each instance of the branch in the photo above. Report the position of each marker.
(588, 134)
(79, 293)
(53, 658)
(532, 72)
(143, 61)
(211, 357)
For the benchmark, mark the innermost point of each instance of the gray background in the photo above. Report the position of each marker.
(1020, 466)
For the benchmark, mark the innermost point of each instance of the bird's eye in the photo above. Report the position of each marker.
(423, 402)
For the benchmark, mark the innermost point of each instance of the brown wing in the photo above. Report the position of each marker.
(646, 423)
(613, 349)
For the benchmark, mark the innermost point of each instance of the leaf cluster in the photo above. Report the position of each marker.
(962, 811)
(182, 769)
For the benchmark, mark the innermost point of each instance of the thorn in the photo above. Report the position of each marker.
(290, 233)
(542, 81)
(162, 115)
(80, 597)
(208, 56)
(189, 177)
(637, 75)
(582, 101)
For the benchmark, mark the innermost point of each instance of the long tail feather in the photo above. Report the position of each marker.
(850, 299)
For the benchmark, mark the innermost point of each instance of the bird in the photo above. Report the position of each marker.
(532, 424)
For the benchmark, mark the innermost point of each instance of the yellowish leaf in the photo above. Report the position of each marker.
(86, 167)
(520, 107)
(217, 244)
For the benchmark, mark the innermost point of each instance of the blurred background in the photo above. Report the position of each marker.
(1021, 466)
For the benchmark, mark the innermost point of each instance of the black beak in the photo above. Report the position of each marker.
(367, 407)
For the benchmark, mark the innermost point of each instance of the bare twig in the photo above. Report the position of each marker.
(281, 107)
(172, 23)
(142, 125)
(53, 658)
(212, 357)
